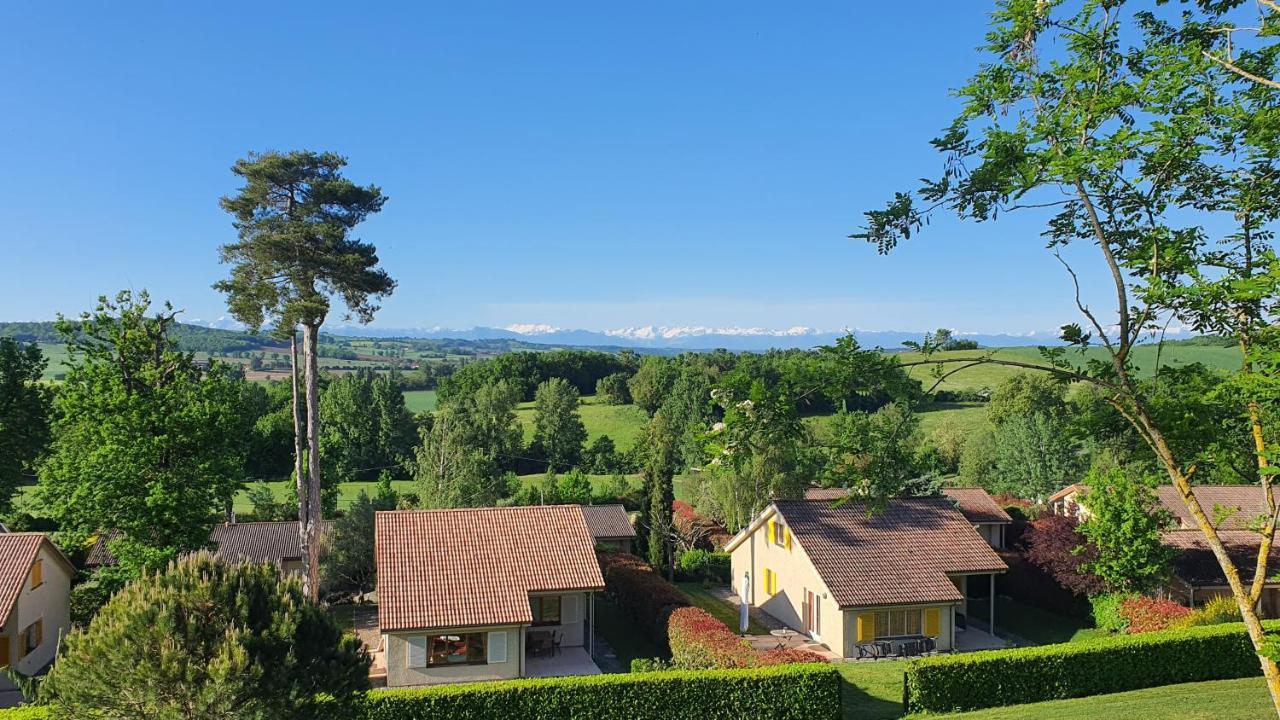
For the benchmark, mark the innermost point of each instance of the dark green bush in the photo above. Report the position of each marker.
(702, 565)
(1094, 667)
(802, 692)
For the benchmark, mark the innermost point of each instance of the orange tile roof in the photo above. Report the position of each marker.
(903, 555)
(476, 567)
(1066, 491)
(17, 552)
(1244, 503)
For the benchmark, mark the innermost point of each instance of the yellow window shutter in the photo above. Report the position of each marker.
(773, 532)
(931, 622)
(866, 627)
(786, 537)
(37, 574)
(773, 578)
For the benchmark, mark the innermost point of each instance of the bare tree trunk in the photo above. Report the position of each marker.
(299, 479)
(311, 557)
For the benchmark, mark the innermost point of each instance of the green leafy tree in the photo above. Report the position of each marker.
(574, 488)
(652, 382)
(1131, 130)
(145, 441)
(876, 455)
(1025, 394)
(613, 389)
(366, 429)
(602, 456)
(1125, 524)
(25, 405)
(468, 447)
(295, 215)
(349, 553)
(1033, 456)
(207, 640)
(558, 432)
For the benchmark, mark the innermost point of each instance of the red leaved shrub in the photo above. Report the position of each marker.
(1147, 614)
(1055, 545)
(699, 640)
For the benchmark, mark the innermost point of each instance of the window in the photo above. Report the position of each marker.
(37, 573)
(438, 650)
(897, 622)
(31, 638)
(546, 610)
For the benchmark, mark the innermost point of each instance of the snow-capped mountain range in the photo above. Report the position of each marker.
(677, 337)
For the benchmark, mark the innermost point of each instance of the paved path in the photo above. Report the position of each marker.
(726, 594)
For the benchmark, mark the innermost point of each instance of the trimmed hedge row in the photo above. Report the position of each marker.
(782, 692)
(993, 678)
(641, 593)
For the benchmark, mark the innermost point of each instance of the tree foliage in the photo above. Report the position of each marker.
(558, 432)
(348, 563)
(468, 447)
(207, 640)
(25, 406)
(1125, 524)
(145, 441)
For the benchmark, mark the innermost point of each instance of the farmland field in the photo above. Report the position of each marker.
(420, 401)
(622, 423)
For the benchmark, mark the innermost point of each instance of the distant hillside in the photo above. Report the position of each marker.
(192, 338)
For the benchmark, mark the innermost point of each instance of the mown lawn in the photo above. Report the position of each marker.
(420, 401)
(872, 690)
(723, 611)
(1245, 699)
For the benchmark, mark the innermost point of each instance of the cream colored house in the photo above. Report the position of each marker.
(847, 579)
(485, 593)
(35, 602)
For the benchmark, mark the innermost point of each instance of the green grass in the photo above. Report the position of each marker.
(989, 375)
(723, 611)
(622, 423)
(1245, 699)
(347, 492)
(872, 690)
(420, 401)
(620, 632)
(1034, 625)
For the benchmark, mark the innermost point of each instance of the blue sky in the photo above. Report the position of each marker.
(586, 165)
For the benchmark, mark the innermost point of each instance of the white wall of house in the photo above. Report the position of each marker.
(401, 671)
(49, 604)
(795, 577)
(852, 638)
(993, 533)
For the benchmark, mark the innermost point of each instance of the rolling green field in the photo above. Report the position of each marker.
(420, 401)
(988, 376)
(1244, 699)
(622, 423)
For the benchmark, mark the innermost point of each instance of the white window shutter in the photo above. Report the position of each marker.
(497, 645)
(570, 609)
(417, 652)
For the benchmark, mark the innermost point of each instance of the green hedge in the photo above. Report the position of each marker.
(782, 692)
(993, 678)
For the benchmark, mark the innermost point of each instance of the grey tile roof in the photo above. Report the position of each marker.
(608, 521)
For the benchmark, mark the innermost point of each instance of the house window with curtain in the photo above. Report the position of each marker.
(897, 622)
(546, 610)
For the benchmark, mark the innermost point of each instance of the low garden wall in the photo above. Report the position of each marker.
(972, 681)
(782, 692)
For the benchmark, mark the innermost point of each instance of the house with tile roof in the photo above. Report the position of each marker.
(485, 593)
(847, 577)
(35, 602)
(276, 543)
(976, 504)
(610, 526)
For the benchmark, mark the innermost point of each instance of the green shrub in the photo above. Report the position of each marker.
(1215, 612)
(802, 692)
(1108, 613)
(1094, 667)
(703, 565)
(30, 712)
(642, 594)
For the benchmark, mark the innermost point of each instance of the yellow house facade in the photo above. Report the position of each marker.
(827, 570)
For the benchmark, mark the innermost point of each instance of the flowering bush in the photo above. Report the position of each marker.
(700, 641)
(1147, 614)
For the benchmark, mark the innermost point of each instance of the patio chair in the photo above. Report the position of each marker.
(884, 648)
(929, 645)
(556, 639)
(911, 647)
(868, 650)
